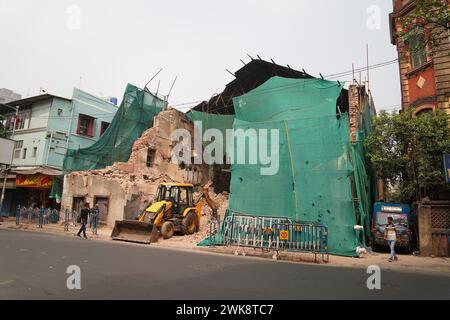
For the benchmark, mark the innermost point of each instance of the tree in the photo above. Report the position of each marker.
(430, 18)
(407, 152)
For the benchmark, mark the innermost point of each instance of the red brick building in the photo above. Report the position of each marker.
(424, 69)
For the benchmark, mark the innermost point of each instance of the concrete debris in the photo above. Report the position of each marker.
(191, 241)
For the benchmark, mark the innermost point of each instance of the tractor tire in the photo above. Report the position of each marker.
(167, 230)
(189, 224)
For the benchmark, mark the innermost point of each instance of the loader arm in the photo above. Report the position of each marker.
(206, 199)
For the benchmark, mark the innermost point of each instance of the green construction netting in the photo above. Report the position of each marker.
(134, 116)
(315, 176)
(210, 121)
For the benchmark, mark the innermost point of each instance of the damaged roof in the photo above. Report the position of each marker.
(249, 77)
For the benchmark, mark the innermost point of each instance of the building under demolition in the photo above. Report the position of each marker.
(123, 189)
(322, 174)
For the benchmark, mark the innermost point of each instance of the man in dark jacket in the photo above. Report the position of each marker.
(84, 214)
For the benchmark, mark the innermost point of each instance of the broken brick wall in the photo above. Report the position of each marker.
(131, 186)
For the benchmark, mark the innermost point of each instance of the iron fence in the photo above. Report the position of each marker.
(270, 233)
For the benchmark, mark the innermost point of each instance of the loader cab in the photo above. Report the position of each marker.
(180, 195)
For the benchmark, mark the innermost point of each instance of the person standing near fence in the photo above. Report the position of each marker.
(95, 217)
(41, 216)
(84, 215)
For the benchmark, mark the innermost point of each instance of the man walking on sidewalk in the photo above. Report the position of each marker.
(84, 214)
(390, 234)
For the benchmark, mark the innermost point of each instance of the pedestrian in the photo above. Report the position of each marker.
(95, 216)
(390, 234)
(41, 216)
(84, 214)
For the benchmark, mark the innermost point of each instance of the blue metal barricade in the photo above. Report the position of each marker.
(66, 219)
(272, 233)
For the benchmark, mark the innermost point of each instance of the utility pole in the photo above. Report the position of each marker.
(2, 198)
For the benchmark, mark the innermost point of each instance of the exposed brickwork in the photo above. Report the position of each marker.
(354, 100)
(435, 90)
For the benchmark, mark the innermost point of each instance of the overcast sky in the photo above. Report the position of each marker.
(101, 45)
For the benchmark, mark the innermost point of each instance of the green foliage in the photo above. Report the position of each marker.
(428, 15)
(408, 152)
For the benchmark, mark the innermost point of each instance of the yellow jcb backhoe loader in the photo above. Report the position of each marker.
(173, 211)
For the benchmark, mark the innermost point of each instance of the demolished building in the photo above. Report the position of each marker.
(124, 189)
(322, 177)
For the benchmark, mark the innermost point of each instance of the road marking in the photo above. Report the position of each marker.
(6, 282)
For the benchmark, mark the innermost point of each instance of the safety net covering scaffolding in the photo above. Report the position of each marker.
(135, 115)
(210, 121)
(313, 180)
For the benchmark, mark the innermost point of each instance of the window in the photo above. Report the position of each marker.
(85, 125)
(417, 47)
(103, 127)
(184, 199)
(34, 152)
(19, 122)
(150, 157)
(17, 148)
(24, 153)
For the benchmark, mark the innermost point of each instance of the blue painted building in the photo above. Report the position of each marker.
(44, 127)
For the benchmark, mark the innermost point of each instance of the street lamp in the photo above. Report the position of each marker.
(5, 172)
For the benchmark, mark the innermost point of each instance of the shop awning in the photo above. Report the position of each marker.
(38, 170)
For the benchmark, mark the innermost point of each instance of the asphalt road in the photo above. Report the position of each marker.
(33, 266)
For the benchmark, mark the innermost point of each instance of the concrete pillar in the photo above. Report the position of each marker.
(425, 234)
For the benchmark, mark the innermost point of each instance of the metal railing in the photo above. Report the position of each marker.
(270, 233)
(35, 216)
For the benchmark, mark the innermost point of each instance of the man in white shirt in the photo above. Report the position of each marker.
(390, 234)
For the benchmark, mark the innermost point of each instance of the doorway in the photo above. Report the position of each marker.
(103, 204)
(78, 204)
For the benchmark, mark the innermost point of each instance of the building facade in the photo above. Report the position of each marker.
(7, 95)
(424, 65)
(44, 127)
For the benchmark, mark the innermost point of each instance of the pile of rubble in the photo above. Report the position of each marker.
(221, 200)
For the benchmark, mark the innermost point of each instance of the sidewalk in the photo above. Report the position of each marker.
(103, 233)
(406, 263)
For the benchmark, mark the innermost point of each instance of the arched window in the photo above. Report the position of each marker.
(423, 110)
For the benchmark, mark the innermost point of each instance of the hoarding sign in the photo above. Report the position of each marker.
(447, 167)
(7, 149)
(33, 181)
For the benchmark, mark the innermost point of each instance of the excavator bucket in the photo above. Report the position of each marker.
(135, 231)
